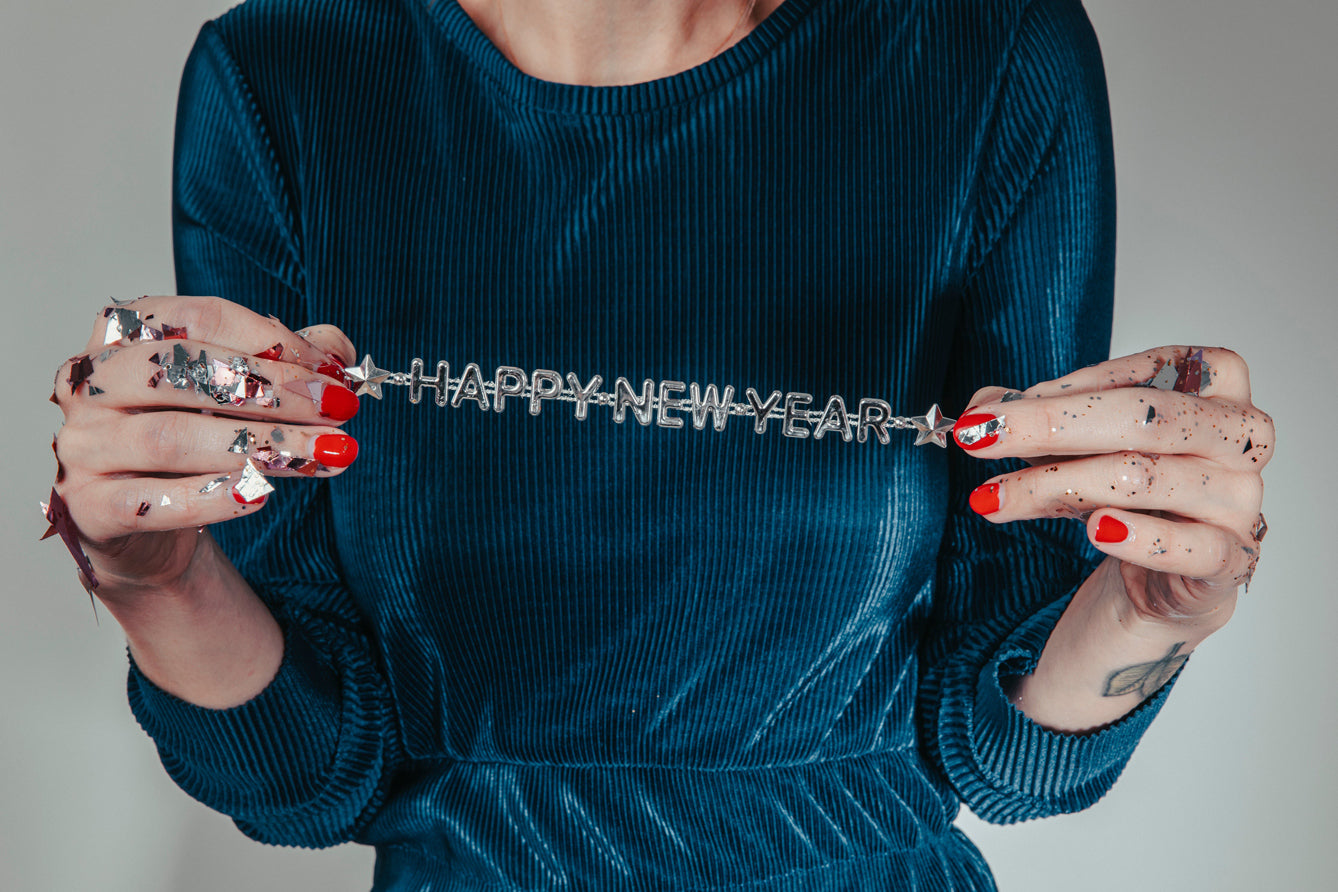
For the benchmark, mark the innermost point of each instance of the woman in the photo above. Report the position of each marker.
(535, 649)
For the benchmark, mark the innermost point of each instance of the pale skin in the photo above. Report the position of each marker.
(198, 630)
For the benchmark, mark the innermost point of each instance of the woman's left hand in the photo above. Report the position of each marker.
(1159, 452)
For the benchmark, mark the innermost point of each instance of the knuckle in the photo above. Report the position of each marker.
(1270, 429)
(62, 375)
(88, 514)
(1262, 435)
(1254, 497)
(1133, 474)
(1229, 358)
(127, 501)
(163, 437)
(67, 447)
(202, 317)
(1230, 365)
(1048, 431)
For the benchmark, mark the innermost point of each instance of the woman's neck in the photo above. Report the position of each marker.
(608, 42)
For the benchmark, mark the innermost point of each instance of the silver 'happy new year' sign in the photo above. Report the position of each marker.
(663, 403)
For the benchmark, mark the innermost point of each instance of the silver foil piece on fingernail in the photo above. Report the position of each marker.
(977, 432)
(252, 484)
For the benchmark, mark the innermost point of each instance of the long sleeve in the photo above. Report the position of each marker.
(308, 760)
(1037, 303)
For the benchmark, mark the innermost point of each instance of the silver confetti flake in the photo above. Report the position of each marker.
(277, 460)
(227, 382)
(977, 432)
(252, 484)
(214, 484)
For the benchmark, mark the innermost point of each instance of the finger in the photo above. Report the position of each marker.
(1190, 486)
(107, 508)
(1210, 372)
(1128, 418)
(1213, 559)
(331, 340)
(188, 374)
(208, 319)
(191, 443)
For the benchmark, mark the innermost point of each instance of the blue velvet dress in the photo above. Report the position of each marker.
(549, 652)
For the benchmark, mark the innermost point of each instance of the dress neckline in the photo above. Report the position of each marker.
(624, 99)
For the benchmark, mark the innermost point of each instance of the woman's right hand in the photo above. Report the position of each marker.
(155, 440)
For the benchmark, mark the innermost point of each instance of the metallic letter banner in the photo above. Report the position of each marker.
(662, 403)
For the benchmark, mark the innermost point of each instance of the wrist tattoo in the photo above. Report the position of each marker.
(1145, 678)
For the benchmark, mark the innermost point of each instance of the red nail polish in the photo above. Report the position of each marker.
(236, 496)
(1108, 529)
(332, 370)
(975, 431)
(985, 498)
(338, 403)
(335, 450)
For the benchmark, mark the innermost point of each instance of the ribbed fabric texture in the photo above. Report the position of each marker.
(538, 652)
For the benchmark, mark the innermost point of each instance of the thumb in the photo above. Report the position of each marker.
(330, 339)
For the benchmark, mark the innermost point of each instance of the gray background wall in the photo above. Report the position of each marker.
(1225, 123)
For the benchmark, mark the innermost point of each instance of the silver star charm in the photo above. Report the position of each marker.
(367, 376)
(932, 426)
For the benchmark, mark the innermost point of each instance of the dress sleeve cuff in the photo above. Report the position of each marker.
(1012, 768)
(284, 738)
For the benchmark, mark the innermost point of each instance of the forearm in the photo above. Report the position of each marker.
(208, 639)
(1102, 659)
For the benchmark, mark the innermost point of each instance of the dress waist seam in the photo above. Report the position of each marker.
(426, 761)
(931, 847)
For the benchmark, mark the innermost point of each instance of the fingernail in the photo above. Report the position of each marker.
(985, 498)
(1108, 529)
(977, 430)
(332, 369)
(335, 450)
(338, 403)
(259, 500)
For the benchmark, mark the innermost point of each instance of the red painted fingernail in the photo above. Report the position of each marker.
(977, 430)
(259, 500)
(338, 403)
(1108, 529)
(332, 370)
(985, 498)
(335, 450)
